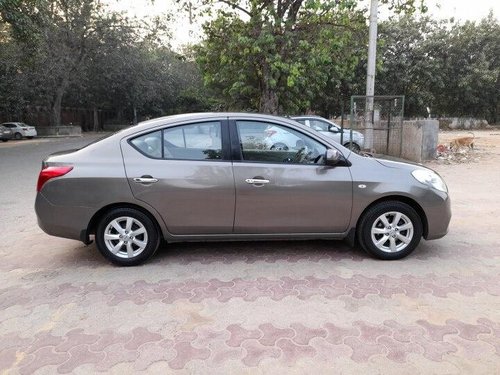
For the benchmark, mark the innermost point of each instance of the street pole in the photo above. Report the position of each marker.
(370, 74)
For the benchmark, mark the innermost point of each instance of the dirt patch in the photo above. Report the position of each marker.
(486, 146)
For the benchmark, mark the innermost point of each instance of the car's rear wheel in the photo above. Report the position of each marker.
(390, 230)
(4, 140)
(18, 136)
(127, 237)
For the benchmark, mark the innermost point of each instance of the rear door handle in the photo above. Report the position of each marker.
(145, 180)
(256, 181)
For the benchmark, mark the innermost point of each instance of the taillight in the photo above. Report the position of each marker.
(270, 132)
(50, 172)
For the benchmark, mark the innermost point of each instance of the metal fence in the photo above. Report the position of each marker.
(380, 119)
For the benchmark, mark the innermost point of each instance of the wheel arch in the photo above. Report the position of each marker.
(346, 144)
(400, 198)
(94, 221)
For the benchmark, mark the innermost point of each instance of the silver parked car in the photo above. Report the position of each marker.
(330, 129)
(20, 130)
(5, 133)
(211, 176)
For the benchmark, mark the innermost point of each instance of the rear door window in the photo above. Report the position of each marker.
(200, 141)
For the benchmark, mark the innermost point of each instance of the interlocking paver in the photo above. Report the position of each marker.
(266, 307)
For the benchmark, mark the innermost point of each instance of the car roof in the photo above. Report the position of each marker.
(204, 116)
(308, 116)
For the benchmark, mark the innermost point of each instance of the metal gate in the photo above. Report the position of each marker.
(380, 119)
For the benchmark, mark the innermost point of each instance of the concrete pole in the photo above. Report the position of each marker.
(370, 74)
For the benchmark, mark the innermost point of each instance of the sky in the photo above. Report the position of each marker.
(184, 32)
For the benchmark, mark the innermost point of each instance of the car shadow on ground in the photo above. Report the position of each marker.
(227, 253)
(250, 252)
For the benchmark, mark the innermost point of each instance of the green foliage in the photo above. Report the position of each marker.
(450, 67)
(279, 58)
(78, 53)
(258, 55)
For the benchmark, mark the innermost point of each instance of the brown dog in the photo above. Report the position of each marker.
(457, 143)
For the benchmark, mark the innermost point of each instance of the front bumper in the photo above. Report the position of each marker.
(438, 216)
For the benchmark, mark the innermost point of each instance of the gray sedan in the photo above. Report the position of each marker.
(211, 176)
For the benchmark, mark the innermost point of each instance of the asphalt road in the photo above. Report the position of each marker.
(20, 163)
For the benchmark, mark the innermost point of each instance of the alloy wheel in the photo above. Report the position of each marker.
(125, 237)
(392, 232)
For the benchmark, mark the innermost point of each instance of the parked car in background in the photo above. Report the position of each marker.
(332, 130)
(210, 176)
(21, 130)
(5, 133)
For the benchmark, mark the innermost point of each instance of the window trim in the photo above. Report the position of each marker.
(225, 151)
(237, 151)
(129, 141)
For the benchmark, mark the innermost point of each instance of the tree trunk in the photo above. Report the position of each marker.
(269, 101)
(55, 110)
(135, 115)
(96, 120)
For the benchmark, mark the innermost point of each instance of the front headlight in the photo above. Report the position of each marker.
(430, 178)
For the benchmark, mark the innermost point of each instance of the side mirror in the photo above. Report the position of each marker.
(333, 129)
(332, 157)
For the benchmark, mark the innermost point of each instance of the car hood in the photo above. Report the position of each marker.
(393, 162)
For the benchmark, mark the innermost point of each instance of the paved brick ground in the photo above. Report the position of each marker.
(268, 307)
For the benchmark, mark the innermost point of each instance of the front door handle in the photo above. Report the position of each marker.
(256, 181)
(145, 180)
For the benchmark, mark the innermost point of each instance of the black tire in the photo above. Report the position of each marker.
(151, 237)
(4, 140)
(279, 146)
(354, 147)
(371, 219)
(18, 136)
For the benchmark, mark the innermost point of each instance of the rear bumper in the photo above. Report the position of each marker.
(61, 221)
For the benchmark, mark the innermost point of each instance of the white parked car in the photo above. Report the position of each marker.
(278, 138)
(21, 130)
(332, 130)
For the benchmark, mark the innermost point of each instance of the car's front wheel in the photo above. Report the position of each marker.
(353, 146)
(127, 237)
(279, 147)
(390, 230)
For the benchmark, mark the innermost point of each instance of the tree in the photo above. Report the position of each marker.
(276, 56)
(80, 54)
(452, 68)
(13, 95)
(470, 63)
(281, 56)
(57, 37)
(407, 61)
